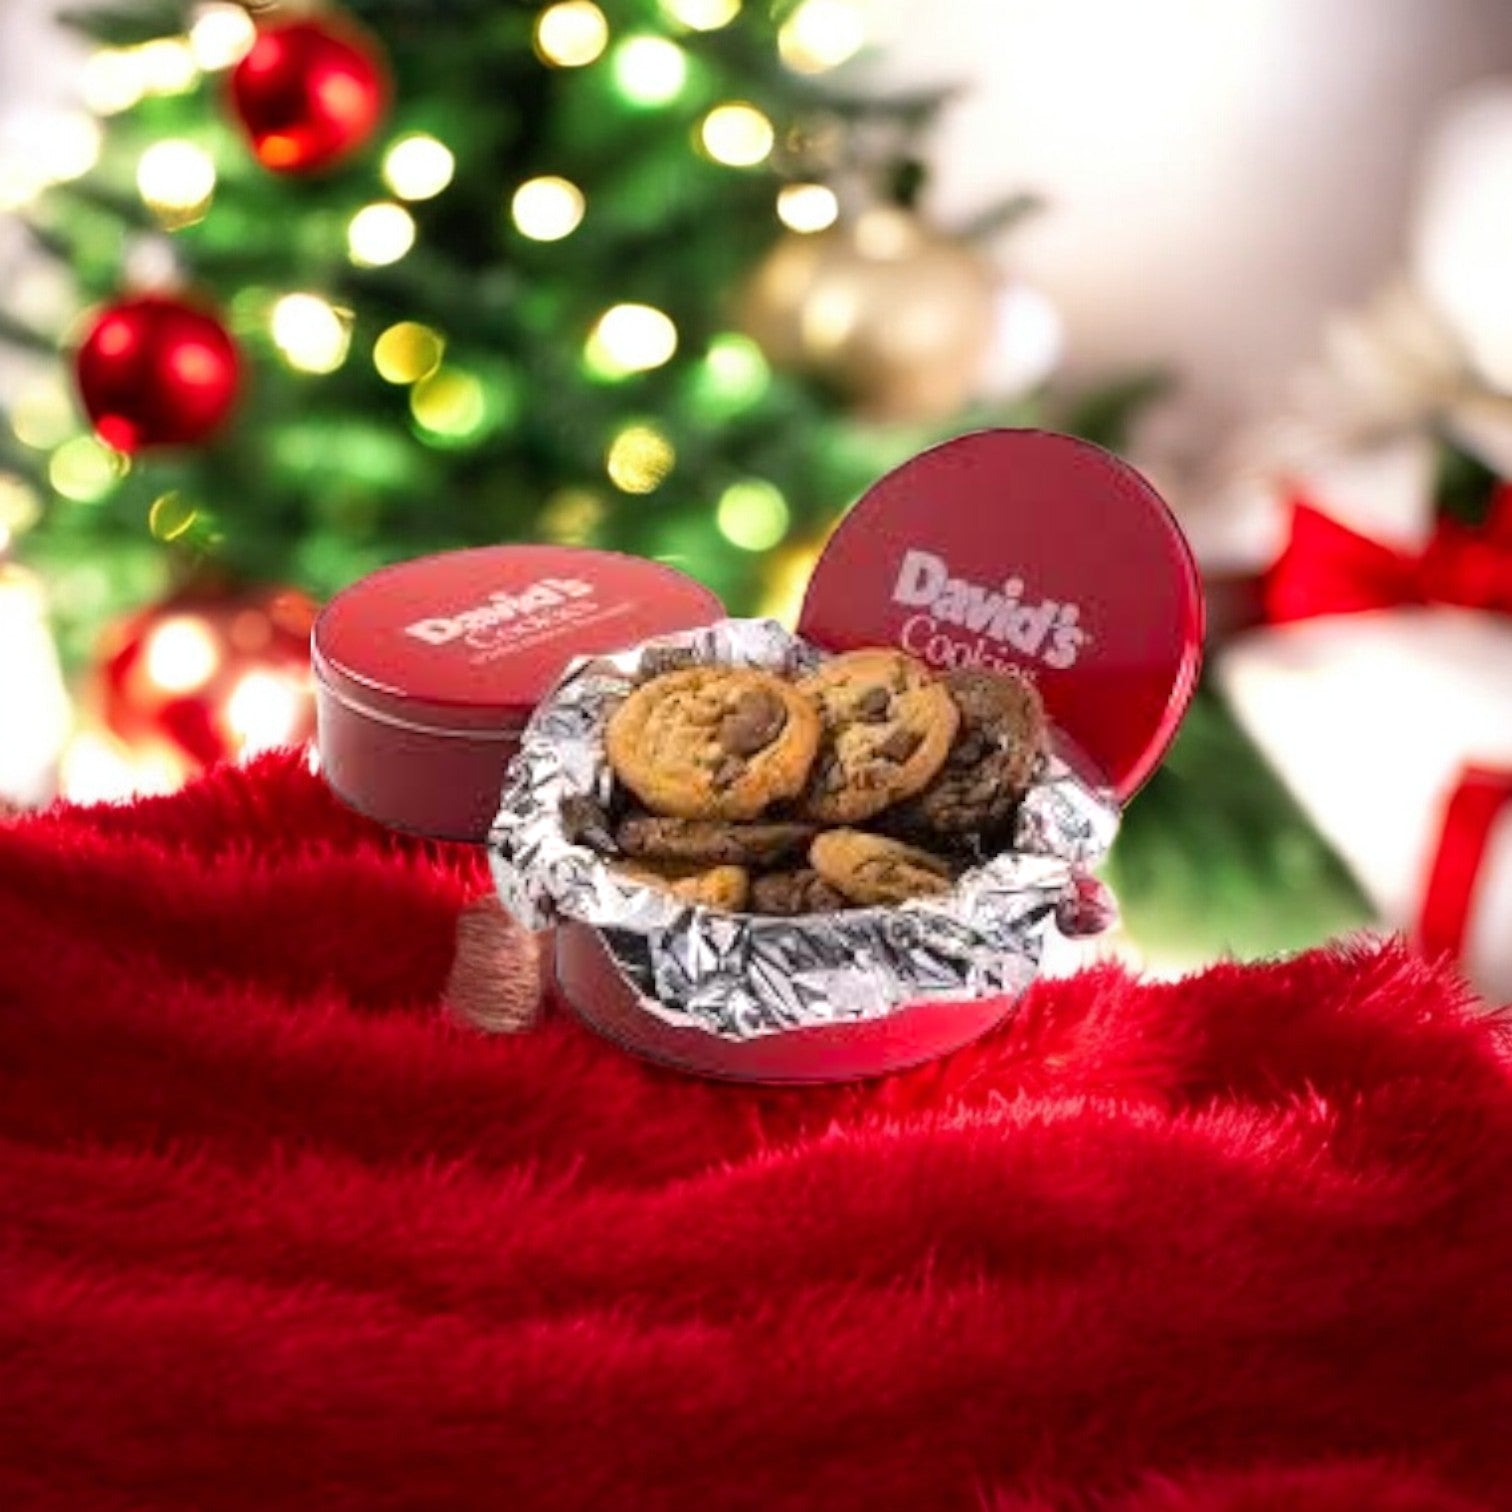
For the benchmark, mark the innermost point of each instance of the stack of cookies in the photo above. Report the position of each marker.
(866, 782)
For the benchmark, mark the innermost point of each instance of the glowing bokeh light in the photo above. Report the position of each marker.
(380, 234)
(548, 208)
(737, 135)
(264, 710)
(418, 167)
(570, 516)
(42, 415)
(639, 459)
(631, 338)
(20, 507)
(571, 34)
(807, 208)
(701, 15)
(408, 352)
(181, 654)
(650, 70)
(735, 369)
(97, 768)
(450, 404)
(752, 515)
(310, 333)
(822, 34)
(220, 36)
(111, 81)
(85, 469)
(63, 144)
(167, 66)
(175, 178)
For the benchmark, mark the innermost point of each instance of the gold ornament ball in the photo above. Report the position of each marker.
(894, 315)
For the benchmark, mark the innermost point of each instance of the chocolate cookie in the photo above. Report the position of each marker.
(992, 761)
(713, 742)
(723, 887)
(871, 869)
(712, 842)
(888, 726)
(802, 891)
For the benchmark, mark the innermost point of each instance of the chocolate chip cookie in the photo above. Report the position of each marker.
(872, 869)
(992, 761)
(802, 891)
(712, 842)
(723, 887)
(713, 742)
(887, 729)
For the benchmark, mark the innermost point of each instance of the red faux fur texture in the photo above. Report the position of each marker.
(276, 1232)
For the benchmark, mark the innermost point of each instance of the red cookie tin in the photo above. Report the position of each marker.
(1003, 548)
(426, 672)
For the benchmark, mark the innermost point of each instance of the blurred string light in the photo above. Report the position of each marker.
(44, 147)
(630, 338)
(220, 36)
(380, 234)
(265, 710)
(737, 134)
(822, 34)
(171, 516)
(181, 654)
(571, 34)
(98, 768)
(85, 470)
(116, 78)
(312, 334)
(450, 405)
(650, 70)
(408, 352)
(571, 515)
(752, 515)
(639, 459)
(111, 82)
(418, 167)
(167, 66)
(701, 15)
(176, 180)
(20, 508)
(548, 208)
(735, 371)
(42, 415)
(807, 207)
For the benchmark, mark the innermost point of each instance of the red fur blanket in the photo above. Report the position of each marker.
(276, 1234)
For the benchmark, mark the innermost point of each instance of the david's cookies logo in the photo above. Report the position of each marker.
(508, 617)
(991, 617)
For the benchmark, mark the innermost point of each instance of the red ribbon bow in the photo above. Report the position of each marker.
(1327, 568)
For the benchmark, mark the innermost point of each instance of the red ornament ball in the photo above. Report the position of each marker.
(155, 371)
(308, 94)
(210, 675)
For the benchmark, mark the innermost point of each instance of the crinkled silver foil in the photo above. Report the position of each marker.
(740, 975)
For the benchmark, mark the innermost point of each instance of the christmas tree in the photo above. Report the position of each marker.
(490, 278)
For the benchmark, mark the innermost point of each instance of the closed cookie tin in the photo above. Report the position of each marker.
(426, 672)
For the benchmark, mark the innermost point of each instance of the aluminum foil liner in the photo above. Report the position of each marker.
(739, 975)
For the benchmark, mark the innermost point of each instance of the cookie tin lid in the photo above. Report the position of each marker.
(1023, 548)
(473, 639)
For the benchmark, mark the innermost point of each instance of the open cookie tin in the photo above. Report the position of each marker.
(1008, 548)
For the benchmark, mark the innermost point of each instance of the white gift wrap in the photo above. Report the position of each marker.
(1369, 719)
